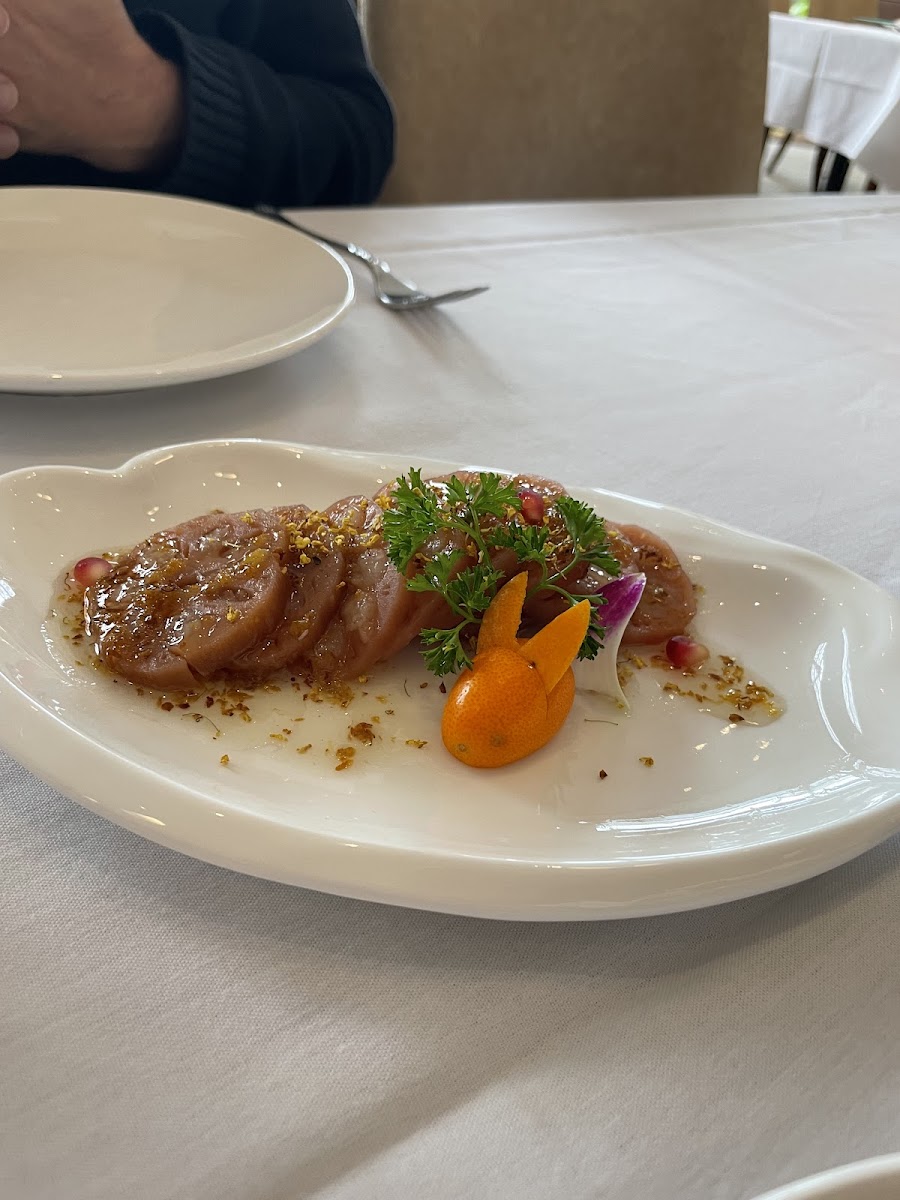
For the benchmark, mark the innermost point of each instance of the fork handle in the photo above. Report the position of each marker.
(381, 272)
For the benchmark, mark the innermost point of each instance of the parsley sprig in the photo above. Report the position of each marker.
(586, 543)
(470, 519)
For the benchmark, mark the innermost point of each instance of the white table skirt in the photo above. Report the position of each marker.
(839, 84)
(171, 1031)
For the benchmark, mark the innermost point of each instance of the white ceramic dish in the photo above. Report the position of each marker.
(875, 1179)
(727, 810)
(107, 290)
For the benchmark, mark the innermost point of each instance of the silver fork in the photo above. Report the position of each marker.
(394, 293)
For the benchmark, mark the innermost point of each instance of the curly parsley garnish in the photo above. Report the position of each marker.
(471, 519)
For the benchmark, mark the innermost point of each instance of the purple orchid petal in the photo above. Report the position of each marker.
(622, 598)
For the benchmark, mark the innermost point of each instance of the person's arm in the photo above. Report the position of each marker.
(299, 119)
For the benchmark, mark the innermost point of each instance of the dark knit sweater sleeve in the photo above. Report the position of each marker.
(296, 118)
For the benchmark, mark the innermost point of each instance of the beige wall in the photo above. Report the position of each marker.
(546, 99)
(843, 10)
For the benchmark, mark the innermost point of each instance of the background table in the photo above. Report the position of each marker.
(171, 1031)
(839, 85)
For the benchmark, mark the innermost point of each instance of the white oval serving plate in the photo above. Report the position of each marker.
(874, 1179)
(726, 811)
(109, 290)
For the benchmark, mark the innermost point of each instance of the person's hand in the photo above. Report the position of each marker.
(77, 79)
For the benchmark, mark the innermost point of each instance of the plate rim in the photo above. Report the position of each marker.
(106, 380)
(883, 1167)
(870, 826)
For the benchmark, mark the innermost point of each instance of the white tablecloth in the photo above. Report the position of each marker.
(171, 1031)
(839, 84)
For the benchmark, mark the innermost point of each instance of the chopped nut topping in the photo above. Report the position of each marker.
(363, 732)
(345, 756)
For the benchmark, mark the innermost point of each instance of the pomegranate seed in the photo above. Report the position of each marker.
(88, 571)
(686, 654)
(532, 506)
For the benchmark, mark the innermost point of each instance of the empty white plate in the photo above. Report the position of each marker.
(874, 1179)
(727, 810)
(107, 291)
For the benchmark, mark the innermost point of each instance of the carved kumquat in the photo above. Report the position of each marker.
(518, 692)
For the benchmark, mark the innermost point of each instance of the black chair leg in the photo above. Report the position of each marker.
(779, 152)
(838, 174)
(818, 168)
